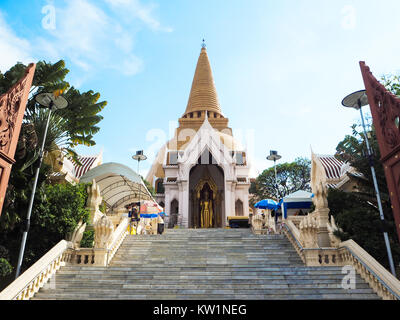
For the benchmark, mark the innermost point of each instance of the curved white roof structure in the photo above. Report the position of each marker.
(119, 184)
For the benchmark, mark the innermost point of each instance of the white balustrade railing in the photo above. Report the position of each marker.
(349, 252)
(380, 279)
(28, 283)
(117, 238)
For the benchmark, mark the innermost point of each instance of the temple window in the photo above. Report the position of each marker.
(173, 158)
(160, 186)
(239, 158)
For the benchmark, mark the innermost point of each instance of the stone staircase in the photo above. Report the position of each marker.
(199, 264)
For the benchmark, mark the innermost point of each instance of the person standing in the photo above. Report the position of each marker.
(135, 217)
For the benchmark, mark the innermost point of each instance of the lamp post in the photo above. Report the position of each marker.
(273, 156)
(357, 100)
(139, 156)
(48, 100)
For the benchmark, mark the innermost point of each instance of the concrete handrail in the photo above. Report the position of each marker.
(118, 236)
(27, 284)
(294, 231)
(370, 268)
(350, 253)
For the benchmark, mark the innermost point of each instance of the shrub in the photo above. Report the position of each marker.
(87, 239)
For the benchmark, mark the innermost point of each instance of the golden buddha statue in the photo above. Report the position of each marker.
(206, 211)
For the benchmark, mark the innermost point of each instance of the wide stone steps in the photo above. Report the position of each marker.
(203, 265)
(274, 296)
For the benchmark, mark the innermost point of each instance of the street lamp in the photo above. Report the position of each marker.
(139, 156)
(273, 156)
(357, 100)
(48, 100)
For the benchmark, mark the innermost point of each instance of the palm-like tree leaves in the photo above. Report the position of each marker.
(11, 77)
(69, 127)
(47, 74)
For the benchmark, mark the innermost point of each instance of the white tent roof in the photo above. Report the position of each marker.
(298, 196)
(119, 185)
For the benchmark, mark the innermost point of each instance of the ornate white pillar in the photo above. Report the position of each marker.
(184, 203)
(246, 204)
(321, 213)
(322, 217)
(167, 208)
(229, 199)
(233, 199)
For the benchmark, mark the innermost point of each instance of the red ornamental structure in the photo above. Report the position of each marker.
(385, 109)
(12, 109)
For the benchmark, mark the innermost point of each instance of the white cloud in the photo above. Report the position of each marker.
(12, 48)
(85, 34)
(131, 65)
(91, 38)
(80, 27)
(134, 8)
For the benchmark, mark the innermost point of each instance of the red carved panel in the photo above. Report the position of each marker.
(385, 110)
(12, 109)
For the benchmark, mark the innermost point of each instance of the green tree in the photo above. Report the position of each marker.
(356, 213)
(149, 187)
(290, 178)
(392, 83)
(68, 127)
(87, 239)
(57, 211)
(5, 266)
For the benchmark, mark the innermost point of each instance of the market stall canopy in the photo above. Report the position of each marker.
(299, 196)
(150, 207)
(119, 185)
(298, 200)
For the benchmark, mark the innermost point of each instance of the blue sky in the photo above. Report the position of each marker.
(281, 68)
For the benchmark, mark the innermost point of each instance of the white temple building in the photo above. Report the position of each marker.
(203, 166)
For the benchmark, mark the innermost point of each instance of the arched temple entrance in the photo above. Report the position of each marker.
(206, 196)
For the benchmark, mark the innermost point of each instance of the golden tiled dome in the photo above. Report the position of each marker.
(203, 95)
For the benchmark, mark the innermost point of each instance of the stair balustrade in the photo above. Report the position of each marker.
(27, 284)
(117, 238)
(384, 284)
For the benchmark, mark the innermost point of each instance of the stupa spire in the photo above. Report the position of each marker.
(203, 95)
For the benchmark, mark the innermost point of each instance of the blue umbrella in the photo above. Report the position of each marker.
(149, 215)
(266, 204)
